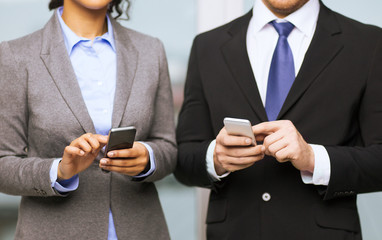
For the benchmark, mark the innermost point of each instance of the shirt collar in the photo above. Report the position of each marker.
(304, 19)
(71, 39)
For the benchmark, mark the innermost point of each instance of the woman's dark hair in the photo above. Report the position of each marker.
(115, 5)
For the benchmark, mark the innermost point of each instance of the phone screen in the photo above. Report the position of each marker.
(120, 138)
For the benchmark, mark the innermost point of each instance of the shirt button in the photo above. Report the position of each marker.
(266, 197)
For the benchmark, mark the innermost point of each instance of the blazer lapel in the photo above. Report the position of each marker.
(236, 57)
(325, 46)
(56, 60)
(127, 61)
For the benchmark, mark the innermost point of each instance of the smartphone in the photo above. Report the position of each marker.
(239, 127)
(120, 138)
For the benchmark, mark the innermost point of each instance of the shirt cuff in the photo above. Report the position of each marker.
(152, 162)
(64, 186)
(211, 165)
(321, 173)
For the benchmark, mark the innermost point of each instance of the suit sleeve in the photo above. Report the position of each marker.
(358, 169)
(194, 130)
(19, 174)
(162, 133)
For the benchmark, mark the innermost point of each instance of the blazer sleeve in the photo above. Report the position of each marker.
(194, 130)
(19, 174)
(162, 133)
(358, 169)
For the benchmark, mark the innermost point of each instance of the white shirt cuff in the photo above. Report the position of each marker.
(321, 173)
(211, 165)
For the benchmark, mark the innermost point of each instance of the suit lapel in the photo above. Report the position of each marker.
(236, 57)
(325, 46)
(56, 60)
(127, 61)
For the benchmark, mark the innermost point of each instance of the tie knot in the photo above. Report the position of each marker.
(283, 28)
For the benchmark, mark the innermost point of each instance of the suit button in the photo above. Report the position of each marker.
(266, 197)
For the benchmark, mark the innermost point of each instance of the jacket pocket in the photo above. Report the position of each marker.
(337, 218)
(217, 211)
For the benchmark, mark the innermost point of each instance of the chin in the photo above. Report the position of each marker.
(284, 7)
(93, 4)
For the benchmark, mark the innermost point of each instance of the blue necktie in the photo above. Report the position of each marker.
(281, 72)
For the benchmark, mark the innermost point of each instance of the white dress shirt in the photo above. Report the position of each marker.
(261, 43)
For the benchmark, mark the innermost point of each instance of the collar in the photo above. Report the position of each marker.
(304, 19)
(71, 39)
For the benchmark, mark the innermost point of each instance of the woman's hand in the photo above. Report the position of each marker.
(130, 161)
(80, 154)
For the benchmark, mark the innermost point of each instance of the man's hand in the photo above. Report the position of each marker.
(282, 141)
(80, 154)
(233, 153)
(130, 161)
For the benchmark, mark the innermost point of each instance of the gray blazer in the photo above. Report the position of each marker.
(42, 111)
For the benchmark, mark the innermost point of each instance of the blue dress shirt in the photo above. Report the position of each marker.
(95, 65)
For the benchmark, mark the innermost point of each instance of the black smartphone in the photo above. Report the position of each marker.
(120, 138)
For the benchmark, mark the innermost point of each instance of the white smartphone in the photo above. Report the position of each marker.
(239, 127)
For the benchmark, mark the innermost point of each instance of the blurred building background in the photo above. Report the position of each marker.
(176, 22)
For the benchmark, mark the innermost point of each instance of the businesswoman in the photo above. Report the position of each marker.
(62, 89)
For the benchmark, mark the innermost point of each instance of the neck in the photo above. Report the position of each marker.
(87, 23)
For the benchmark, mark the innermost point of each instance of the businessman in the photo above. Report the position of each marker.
(309, 80)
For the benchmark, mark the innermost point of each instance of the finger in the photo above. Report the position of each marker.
(93, 142)
(283, 155)
(277, 146)
(83, 144)
(74, 151)
(244, 151)
(123, 153)
(231, 141)
(235, 161)
(272, 138)
(267, 128)
(102, 139)
(237, 167)
(122, 162)
(132, 171)
(138, 150)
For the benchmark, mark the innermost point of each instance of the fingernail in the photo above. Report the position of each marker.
(103, 161)
(110, 154)
(82, 153)
(248, 141)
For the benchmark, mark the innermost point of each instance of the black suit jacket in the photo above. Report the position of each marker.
(335, 101)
